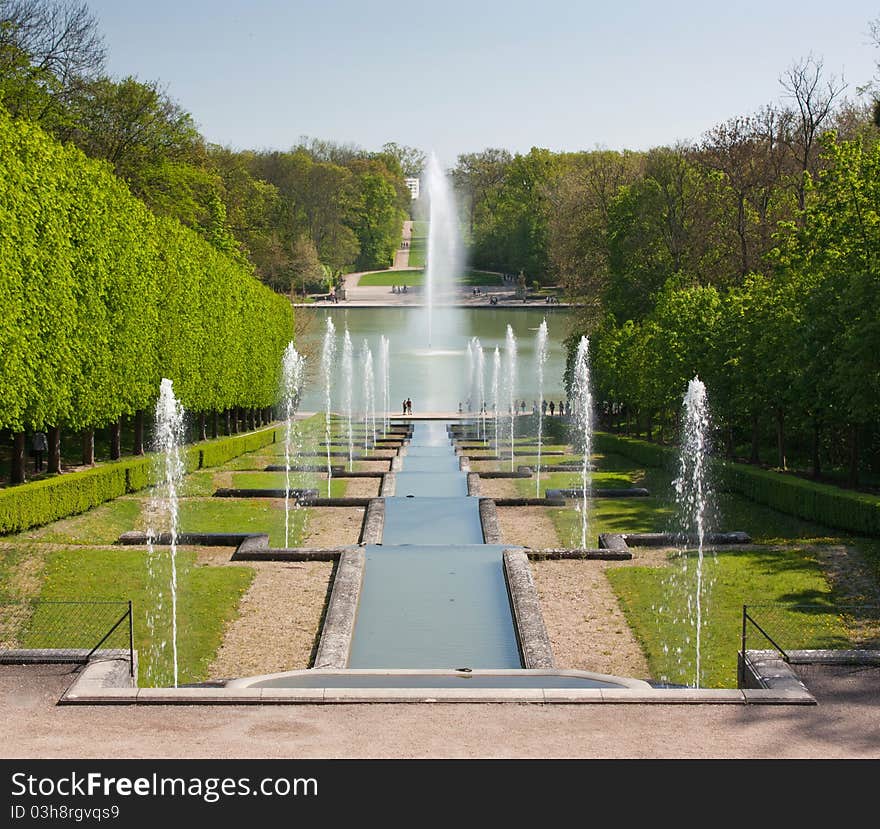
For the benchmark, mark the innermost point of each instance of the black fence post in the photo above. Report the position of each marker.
(130, 641)
(742, 661)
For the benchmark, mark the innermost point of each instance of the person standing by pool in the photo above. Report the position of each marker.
(408, 406)
(404, 406)
(552, 408)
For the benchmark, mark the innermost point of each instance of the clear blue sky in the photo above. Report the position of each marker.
(459, 76)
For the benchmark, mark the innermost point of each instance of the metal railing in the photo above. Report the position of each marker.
(65, 630)
(808, 626)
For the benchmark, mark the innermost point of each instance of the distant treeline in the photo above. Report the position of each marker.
(749, 258)
(301, 217)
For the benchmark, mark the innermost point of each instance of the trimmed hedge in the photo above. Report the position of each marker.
(649, 454)
(42, 502)
(825, 504)
(218, 452)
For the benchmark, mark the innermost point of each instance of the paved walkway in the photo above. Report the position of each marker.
(401, 258)
(846, 723)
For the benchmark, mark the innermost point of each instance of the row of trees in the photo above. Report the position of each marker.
(101, 298)
(299, 217)
(748, 257)
(794, 349)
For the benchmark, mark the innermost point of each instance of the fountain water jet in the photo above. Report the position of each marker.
(292, 364)
(540, 360)
(168, 440)
(693, 493)
(582, 417)
(385, 372)
(347, 380)
(328, 360)
(481, 389)
(369, 397)
(496, 400)
(510, 386)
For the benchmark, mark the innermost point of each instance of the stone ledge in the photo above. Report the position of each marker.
(528, 620)
(338, 628)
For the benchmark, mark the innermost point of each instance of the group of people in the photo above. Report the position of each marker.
(398, 289)
(407, 406)
(552, 407)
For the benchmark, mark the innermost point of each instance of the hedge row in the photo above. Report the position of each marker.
(101, 299)
(41, 502)
(825, 504)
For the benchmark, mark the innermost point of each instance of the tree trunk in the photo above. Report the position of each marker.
(649, 429)
(203, 435)
(235, 420)
(88, 447)
(19, 464)
(116, 440)
(853, 476)
(780, 438)
(227, 422)
(139, 432)
(214, 425)
(756, 436)
(54, 436)
(731, 442)
(817, 461)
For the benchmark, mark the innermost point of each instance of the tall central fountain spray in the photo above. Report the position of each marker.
(292, 364)
(510, 386)
(168, 440)
(328, 361)
(540, 360)
(347, 394)
(582, 417)
(693, 489)
(481, 390)
(444, 249)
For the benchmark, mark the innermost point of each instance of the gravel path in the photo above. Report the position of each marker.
(278, 621)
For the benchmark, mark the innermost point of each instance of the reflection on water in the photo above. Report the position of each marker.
(436, 379)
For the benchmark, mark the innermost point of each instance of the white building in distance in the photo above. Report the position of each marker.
(413, 184)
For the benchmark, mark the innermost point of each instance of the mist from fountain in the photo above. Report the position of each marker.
(328, 365)
(582, 419)
(540, 360)
(292, 365)
(481, 389)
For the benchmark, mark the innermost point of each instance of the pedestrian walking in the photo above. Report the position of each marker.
(552, 408)
(408, 406)
(561, 409)
(39, 446)
(404, 406)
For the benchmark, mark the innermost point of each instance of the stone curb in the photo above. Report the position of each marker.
(374, 522)
(529, 623)
(473, 484)
(388, 485)
(588, 555)
(338, 628)
(489, 520)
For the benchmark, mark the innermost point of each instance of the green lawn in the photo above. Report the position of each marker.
(659, 606)
(242, 515)
(208, 599)
(416, 278)
(101, 525)
(418, 244)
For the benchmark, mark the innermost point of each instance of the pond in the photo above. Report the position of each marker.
(435, 378)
